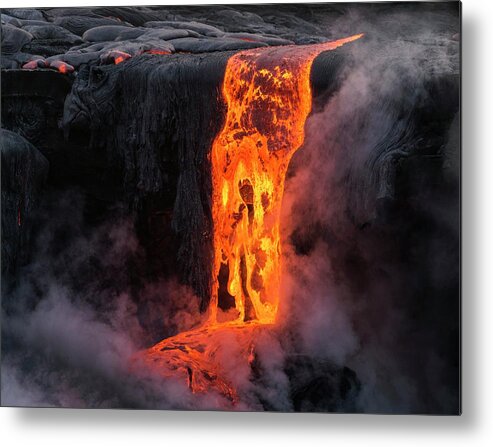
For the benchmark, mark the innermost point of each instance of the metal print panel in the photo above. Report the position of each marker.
(243, 208)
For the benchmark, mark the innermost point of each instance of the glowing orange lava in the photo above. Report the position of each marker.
(118, 56)
(268, 96)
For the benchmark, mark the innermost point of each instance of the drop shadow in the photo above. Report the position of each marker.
(470, 243)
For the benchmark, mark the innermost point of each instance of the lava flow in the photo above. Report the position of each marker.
(268, 96)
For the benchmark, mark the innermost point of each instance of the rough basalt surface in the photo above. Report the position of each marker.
(24, 173)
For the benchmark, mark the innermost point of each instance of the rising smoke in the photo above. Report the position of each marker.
(373, 261)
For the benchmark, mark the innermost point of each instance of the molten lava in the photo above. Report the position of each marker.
(268, 96)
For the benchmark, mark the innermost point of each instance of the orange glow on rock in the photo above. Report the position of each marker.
(116, 56)
(268, 97)
(62, 67)
(195, 357)
(34, 64)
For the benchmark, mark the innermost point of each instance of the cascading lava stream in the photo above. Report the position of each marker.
(268, 96)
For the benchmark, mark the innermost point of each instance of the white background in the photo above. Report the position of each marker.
(120, 428)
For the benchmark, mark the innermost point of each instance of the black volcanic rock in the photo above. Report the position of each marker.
(201, 28)
(204, 45)
(133, 15)
(24, 13)
(50, 31)
(161, 161)
(80, 24)
(32, 106)
(24, 172)
(321, 386)
(13, 39)
(269, 40)
(111, 32)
